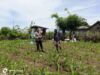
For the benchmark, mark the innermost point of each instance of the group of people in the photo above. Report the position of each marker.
(37, 37)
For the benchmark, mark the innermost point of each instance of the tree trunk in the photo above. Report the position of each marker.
(70, 35)
(63, 35)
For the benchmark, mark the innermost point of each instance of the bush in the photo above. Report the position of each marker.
(24, 36)
(2, 37)
(5, 31)
(49, 35)
(11, 34)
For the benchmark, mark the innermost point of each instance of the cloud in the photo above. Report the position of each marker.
(21, 12)
(27, 10)
(87, 9)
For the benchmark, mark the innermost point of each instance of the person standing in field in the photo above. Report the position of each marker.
(57, 38)
(38, 36)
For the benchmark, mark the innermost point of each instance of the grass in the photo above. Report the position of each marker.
(80, 58)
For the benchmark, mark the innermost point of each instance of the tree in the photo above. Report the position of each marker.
(60, 22)
(17, 28)
(73, 22)
(5, 31)
(49, 35)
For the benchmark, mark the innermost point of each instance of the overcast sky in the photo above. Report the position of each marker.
(22, 12)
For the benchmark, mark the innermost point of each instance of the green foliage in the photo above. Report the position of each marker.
(55, 15)
(14, 33)
(49, 35)
(60, 22)
(71, 23)
(2, 37)
(5, 31)
(73, 59)
(73, 67)
(74, 21)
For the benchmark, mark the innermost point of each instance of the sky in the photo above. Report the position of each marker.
(22, 12)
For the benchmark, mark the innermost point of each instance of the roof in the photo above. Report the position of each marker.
(83, 27)
(88, 27)
(37, 26)
(98, 22)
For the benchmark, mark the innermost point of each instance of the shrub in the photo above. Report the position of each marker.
(7, 33)
(49, 35)
(2, 37)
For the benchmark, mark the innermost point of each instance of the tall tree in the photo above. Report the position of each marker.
(60, 22)
(73, 22)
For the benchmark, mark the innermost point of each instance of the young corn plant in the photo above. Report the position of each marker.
(73, 68)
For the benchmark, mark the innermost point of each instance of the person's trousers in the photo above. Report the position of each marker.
(39, 45)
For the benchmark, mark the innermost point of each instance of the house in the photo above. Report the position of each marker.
(93, 30)
(95, 27)
(82, 30)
